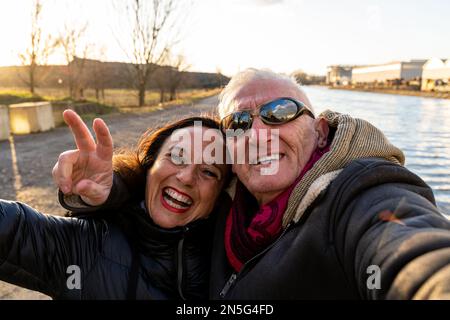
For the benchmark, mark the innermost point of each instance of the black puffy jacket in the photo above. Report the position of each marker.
(375, 219)
(120, 258)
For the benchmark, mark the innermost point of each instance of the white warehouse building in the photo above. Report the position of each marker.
(393, 71)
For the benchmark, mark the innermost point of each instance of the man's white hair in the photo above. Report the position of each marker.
(243, 78)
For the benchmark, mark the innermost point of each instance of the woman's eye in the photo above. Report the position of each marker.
(210, 173)
(178, 160)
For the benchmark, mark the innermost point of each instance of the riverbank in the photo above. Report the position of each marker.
(425, 94)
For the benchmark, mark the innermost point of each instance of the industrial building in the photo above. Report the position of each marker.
(388, 73)
(339, 75)
(436, 75)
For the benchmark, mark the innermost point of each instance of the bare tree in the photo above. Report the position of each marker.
(151, 31)
(160, 77)
(97, 73)
(219, 76)
(70, 39)
(39, 49)
(176, 74)
(169, 77)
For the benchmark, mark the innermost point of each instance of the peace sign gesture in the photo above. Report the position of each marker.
(86, 171)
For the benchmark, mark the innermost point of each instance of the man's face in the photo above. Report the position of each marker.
(297, 141)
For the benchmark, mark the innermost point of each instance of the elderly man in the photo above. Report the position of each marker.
(340, 212)
(340, 218)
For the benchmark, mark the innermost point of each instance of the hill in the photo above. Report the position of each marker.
(99, 74)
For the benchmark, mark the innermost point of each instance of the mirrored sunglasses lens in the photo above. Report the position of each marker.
(244, 121)
(237, 120)
(279, 111)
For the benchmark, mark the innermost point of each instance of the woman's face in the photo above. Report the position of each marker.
(178, 192)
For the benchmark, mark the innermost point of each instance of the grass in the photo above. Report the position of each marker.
(17, 96)
(121, 98)
(116, 100)
(184, 97)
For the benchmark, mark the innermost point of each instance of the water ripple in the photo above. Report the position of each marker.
(419, 126)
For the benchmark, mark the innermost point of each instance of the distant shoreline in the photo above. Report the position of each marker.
(425, 94)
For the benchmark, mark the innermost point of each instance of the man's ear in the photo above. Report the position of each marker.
(322, 129)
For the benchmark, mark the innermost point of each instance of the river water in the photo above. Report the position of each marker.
(419, 126)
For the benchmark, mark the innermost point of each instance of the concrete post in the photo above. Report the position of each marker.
(4, 123)
(31, 117)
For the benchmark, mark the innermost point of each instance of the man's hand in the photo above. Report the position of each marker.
(86, 171)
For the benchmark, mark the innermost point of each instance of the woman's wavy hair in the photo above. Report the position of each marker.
(132, 164)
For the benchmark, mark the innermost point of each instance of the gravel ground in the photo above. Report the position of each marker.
(29, 179)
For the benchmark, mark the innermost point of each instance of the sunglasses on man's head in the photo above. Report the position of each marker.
(276, 112)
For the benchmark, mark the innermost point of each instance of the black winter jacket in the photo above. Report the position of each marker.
(375, 214)
(117, 259)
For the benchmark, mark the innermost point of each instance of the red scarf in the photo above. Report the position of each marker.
(250, 229)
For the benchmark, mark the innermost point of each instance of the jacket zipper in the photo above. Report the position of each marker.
(180, 265)
(228, 284)
(234, 276)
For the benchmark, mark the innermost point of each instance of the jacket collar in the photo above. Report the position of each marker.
(151, 238)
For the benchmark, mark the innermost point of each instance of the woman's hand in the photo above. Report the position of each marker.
(86, 171)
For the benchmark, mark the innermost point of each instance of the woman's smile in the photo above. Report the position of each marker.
(176, 201)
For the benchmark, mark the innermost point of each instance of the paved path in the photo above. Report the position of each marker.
(28, 179)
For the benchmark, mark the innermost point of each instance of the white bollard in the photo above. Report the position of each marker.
(31, 117)
(4, 123)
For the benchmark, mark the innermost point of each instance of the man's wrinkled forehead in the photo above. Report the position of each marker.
(256, 93)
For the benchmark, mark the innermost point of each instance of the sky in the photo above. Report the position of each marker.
(282, 35)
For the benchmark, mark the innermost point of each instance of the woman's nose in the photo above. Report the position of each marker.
(186, 175)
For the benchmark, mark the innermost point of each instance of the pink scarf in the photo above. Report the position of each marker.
(250, 229)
